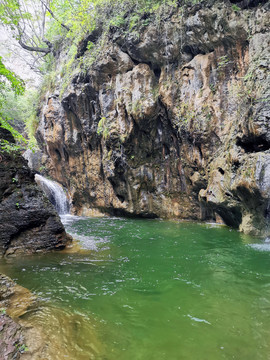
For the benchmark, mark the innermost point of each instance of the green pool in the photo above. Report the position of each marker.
(152, 290)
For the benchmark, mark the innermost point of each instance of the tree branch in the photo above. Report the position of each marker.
(37, 49)
(55, 18)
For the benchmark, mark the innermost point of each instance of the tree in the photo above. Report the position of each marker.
(37, 25)
(27, 20)
(9, 81)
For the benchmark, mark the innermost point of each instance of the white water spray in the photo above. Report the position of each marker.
(55, 193)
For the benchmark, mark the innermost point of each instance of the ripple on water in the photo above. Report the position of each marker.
(260, 247)
(50, 331)
(198, 319)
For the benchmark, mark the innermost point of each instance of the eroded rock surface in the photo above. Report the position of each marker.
(173, 123)
(14, 301)
(28, 221)
(11, 338)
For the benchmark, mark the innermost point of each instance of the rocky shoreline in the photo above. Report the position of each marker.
(28, 224)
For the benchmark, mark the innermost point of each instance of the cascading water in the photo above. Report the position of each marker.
(55, 193)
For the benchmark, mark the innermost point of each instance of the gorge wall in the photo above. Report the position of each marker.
(171, 120)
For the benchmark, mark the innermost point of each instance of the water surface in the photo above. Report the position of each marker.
(153, 290)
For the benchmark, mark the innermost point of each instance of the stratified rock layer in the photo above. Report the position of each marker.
(28, 221)
(171, 123)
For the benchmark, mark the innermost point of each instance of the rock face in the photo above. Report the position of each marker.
(28, 221)
(173, 122)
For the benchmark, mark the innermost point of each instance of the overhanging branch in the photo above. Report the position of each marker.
(37, 49)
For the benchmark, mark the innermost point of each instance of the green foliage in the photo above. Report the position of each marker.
(3, 311)
(90, 45)
(9, 147)
(81, 18)
(16, 107)
(103, 128)
(10, 12)
(29, 105)
(186, 114)
(26, 21)
(137, 107)
(118, 21)
(68, 68)
(133, 21)
(20, 140)
(20, 110)
(42, 168)
(223, 61)
(8, 80)
(4, 123)
(213, 88)
(248, 91)
(48, 82)
(78, 16)
(49, 65)
(235, 8)
(22, 348)
(190, 118)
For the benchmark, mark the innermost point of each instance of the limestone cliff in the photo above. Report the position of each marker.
(28, 221)
(171, 120)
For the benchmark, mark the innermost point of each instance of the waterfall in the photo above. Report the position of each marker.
(55, 193)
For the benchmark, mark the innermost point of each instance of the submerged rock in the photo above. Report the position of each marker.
(14, 301)
(14, 298)
(11, 338)
(30, 329)
(171, 123)
(28, 221)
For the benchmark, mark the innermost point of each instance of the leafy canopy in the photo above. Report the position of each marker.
(9, 82)
(9, 79)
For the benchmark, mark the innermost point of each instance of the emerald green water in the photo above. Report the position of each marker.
(152, 290)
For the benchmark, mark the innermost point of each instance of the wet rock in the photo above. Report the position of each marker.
(34, 160)
(11, 338)
(14, 298)
(14, 301)
(28, 221)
